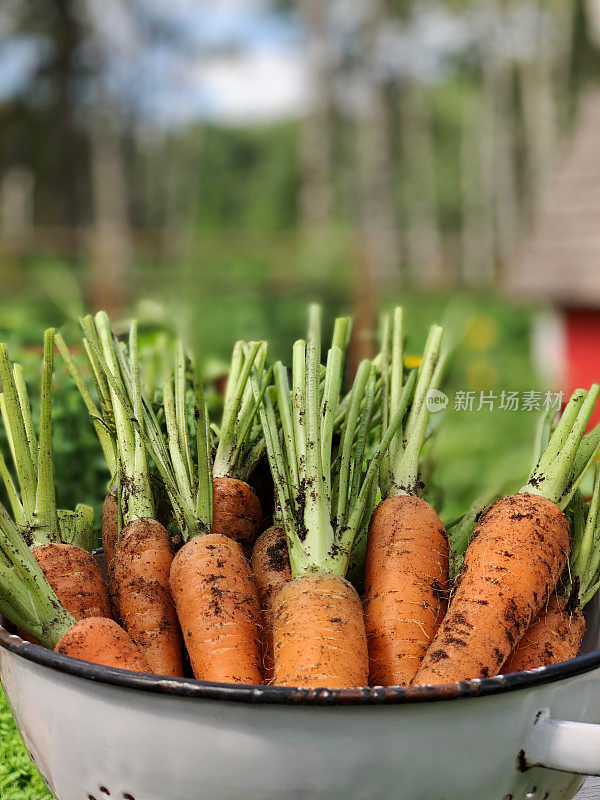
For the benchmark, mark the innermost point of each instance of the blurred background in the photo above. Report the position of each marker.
(214, 166)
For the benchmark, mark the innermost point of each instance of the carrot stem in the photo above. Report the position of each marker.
(19, 377)
(15, 428)
(237, 399)
(135, 481)
(405, 471)
(299, 400)
(554, 478)
(363, 375)
(45, 528)
(317, 521)
(282, 388)
(331, 394)
(107, 442)
(204, 495)
(180, 409)
(77, 527)
(142, 474)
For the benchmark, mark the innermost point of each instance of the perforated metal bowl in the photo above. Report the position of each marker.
(97, 733)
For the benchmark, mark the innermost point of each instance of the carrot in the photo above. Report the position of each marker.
(71, 571)
(236, 511)
(518, 552)
(27, 600)
(102, 641)
(406, 587)
(74, 576)
(271, 570)
(143, 557)
(218, 608)
(110, 535)
(110, 528)
(319, 634)
(406, 573)
(555, 635)
(211, 585)
(557, 632)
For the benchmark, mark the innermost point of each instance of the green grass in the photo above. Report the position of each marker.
(19, 779)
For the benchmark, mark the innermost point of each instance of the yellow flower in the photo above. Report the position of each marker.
(482, 332)
(412, 362)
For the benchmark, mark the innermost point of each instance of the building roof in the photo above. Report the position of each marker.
(561, 259)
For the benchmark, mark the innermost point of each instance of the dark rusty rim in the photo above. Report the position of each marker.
(283, 695)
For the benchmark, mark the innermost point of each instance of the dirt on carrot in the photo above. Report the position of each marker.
(143, 561)
(218, 609)
(319, 634)
(102, 641)
(518, 551)
(76, 579)
(406, 582)
(271, 570)
(236, 511)
(554, 636)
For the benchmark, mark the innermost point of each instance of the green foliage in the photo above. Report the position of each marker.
(19, 779)
(248, 178)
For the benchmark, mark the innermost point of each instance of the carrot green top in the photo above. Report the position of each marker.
(34, 503)
(568, 452)
(187, 480)
(584, 561)
(240, 442)
(121, 371)
(102, 418)
(399, 473)
(322, 490)
(26, 598)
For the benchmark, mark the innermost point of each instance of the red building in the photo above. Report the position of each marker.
(561, 261)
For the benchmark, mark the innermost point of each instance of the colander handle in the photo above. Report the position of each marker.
(559, 744)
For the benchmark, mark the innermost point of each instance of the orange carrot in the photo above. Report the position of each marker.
(555, 635)
(515, 558)
(236, 511)
(110, 529)
(218, 608)
(407, 562)
(110, 535)
(143, 556)
(271, 570)
(319, 635)
(102, 641)
(319, 631)
(518, 551)
(76, 579)
(405, 587)
(142, 562)
(28, 601)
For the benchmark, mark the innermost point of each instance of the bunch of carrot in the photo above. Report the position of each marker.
(354, 581)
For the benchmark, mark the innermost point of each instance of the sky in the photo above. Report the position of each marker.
(240, 61)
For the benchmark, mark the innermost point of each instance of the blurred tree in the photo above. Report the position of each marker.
(40, 128)
(316, 132)
(378, 218)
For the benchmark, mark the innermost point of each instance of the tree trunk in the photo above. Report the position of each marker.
(477, 190)
(316, 192)
(377, 213)
(423, 239)
(111, 241)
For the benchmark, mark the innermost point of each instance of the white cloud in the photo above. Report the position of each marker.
(255, 86)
